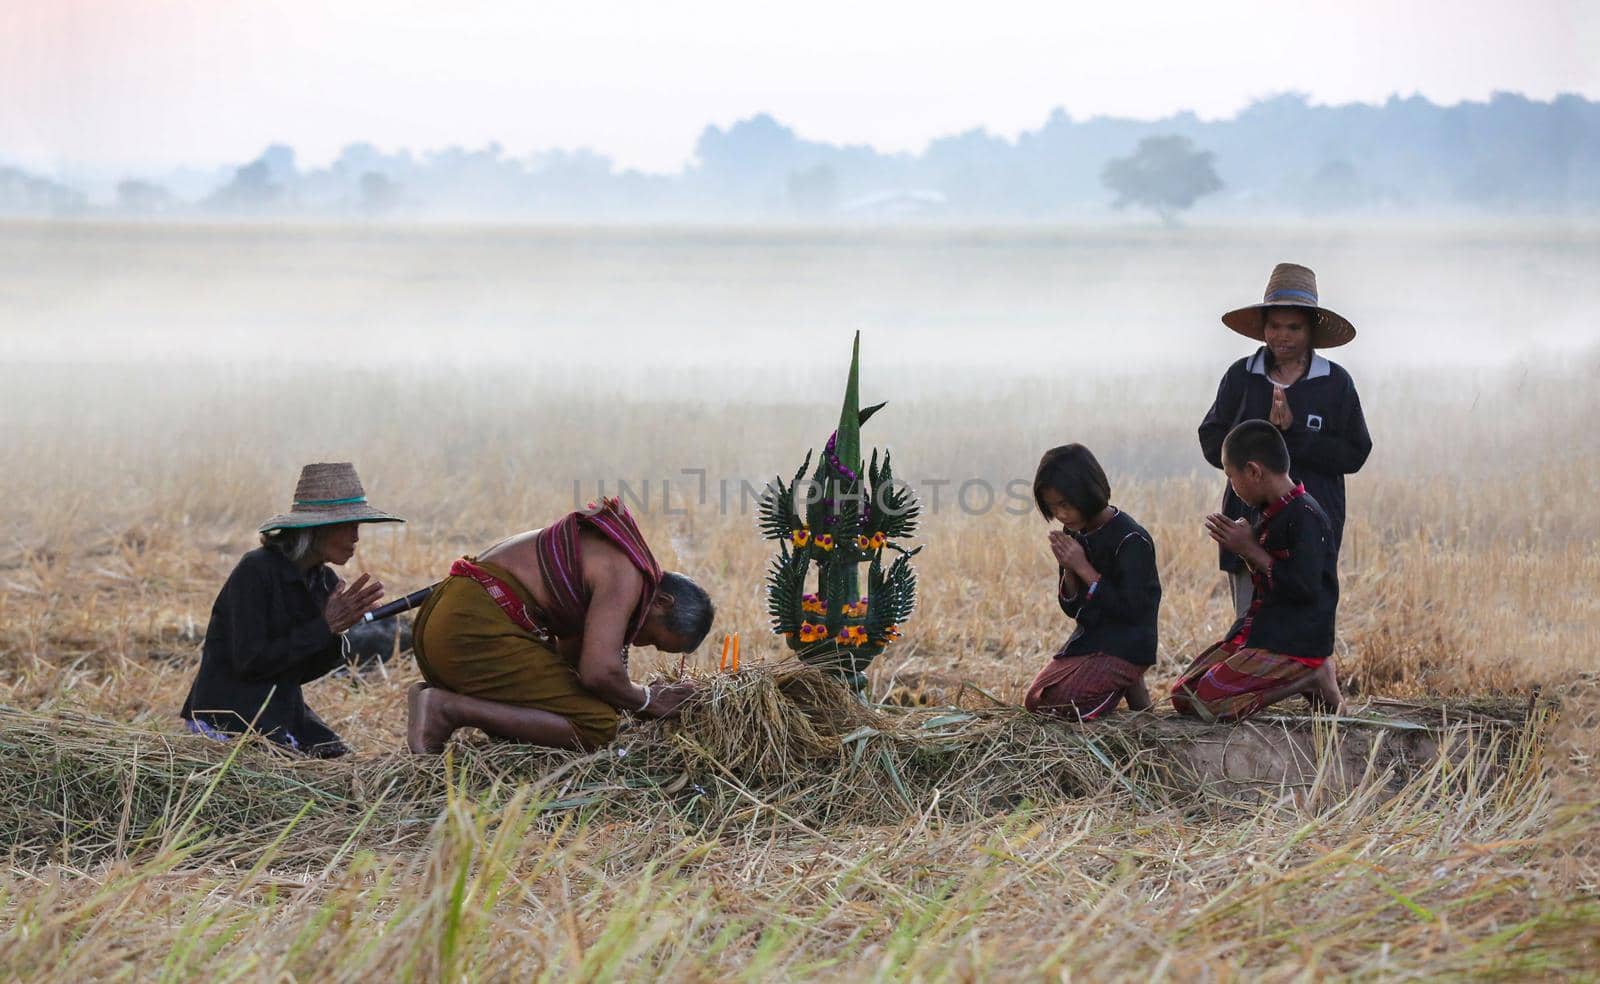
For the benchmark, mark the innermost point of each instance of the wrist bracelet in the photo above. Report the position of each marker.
(648, 693)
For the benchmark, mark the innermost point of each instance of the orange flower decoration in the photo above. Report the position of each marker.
(813, 603)
(877, 541)
(800, 537)
(812, 633)
(863, 543)
(824, 541)
(853, 635)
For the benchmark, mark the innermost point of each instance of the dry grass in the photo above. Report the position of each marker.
(917, 843)
(598, 866)
(780, 830)
(785, 743)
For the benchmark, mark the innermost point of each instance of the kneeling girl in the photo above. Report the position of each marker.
(1107, 583)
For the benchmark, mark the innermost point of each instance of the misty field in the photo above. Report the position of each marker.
(162, 385)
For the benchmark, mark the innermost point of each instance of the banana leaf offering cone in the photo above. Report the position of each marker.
(845, 515)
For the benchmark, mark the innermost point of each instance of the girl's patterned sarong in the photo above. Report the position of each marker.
(1083, 687)
(1229, 684)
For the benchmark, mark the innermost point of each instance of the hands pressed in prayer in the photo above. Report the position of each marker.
(1236, 537)
(1069, 554)
(1280, 417)
(351, 601)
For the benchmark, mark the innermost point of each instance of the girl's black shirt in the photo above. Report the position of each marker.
(1118, 617)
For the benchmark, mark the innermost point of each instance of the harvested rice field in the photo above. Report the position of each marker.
(160, 386)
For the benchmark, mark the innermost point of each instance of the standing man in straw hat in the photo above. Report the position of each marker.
(1311, 401)
(279, 620)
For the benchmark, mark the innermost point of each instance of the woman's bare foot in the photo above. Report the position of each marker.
(1138, 696)
(426, 727)
(1322, 690)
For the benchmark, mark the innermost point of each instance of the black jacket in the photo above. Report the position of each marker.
(1119, 617)
(1297, 598)
(266, 637)
(1327, 441)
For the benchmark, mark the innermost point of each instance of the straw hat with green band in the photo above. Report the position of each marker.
(328, 493)
(1292, 285)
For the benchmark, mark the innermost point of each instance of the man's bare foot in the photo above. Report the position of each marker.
(426, 727)
(1322, 690)
(1138, 696)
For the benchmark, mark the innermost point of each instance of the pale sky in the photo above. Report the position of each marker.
(145, 85)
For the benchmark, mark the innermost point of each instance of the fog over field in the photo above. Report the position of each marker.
(992, 344)
(764, 303)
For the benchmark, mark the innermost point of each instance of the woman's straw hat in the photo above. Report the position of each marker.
(328, 493)
(1292, 285)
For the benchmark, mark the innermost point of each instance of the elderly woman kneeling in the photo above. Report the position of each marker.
(278, 622)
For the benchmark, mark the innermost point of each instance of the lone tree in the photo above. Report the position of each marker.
(1165, 175)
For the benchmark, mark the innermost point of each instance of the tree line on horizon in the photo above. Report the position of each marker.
(1281, 156)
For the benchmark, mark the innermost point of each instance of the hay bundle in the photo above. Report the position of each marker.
(87, 788)
(784, 744)
(766, 722)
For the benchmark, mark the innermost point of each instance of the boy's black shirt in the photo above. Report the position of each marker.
(1297, 598)
(1119, 617)
(1327, 440)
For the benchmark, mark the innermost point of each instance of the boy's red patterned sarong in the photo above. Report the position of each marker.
(1228, 684)
(1082, 688)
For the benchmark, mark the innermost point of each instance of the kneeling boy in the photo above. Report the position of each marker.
(1283, 644)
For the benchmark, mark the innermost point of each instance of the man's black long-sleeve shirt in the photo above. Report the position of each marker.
(1119, 616)
(266, 638)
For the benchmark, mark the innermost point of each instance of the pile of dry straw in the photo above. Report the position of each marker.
(782, 745)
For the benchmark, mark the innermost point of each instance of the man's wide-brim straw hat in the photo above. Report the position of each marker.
(1292, 285)
(328, 493)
